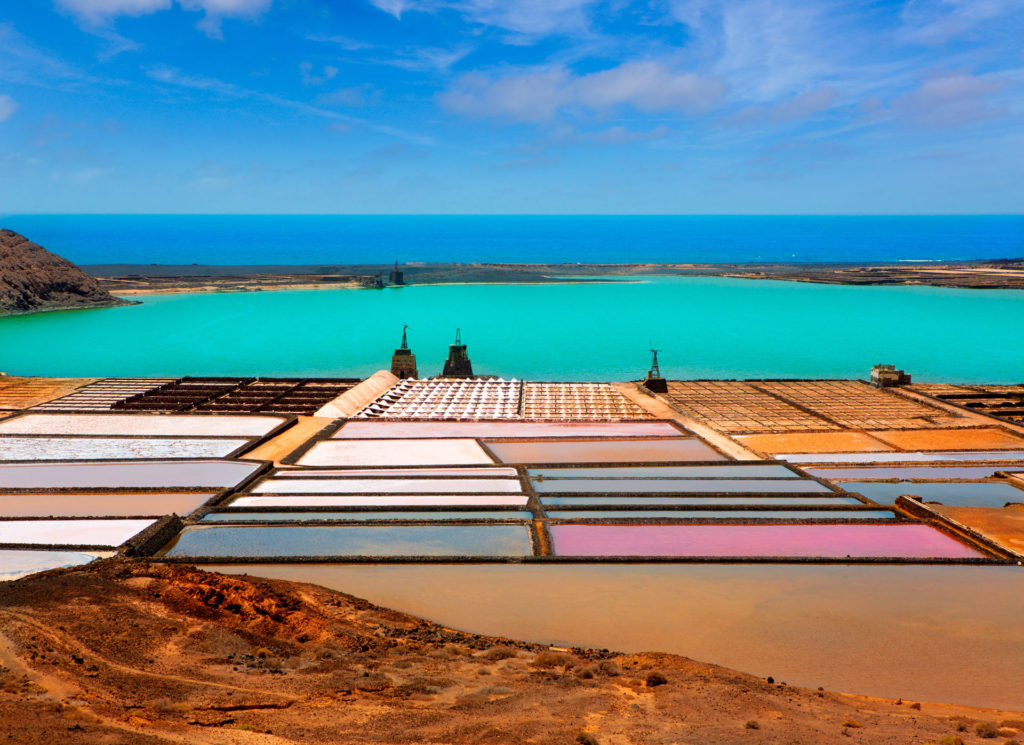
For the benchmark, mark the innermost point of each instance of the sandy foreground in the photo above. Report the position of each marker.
(131, 652)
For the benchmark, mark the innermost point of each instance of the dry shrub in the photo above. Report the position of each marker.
(500, 652)
(950, 740)
(852, 724)
(609, 668)
(752, 724)
(549, 659)
(586, 738)
(986, 730)
(373, 682)
(656, 679)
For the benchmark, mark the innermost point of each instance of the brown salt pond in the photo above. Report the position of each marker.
(926, 633)
(813, 442)
(122, 504)
(984, 438)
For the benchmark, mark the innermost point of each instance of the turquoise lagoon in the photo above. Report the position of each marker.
(705, 327)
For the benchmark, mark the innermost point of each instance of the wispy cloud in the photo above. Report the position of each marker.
(950, 101)
(96, 14)
(311, 77)
(794, 108)
(360, 95)
(173, 77)
(26, 64)
(7, 107)
(531, 17)
(537, 95)
(413, 58)
(936, 22)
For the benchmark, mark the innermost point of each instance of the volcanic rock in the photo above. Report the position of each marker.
(33, 279)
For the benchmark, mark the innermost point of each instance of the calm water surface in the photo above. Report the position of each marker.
(926, 633)
(705, 327)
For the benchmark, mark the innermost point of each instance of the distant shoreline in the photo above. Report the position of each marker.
(155, 279)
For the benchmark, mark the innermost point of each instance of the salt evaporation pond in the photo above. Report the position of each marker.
(924, 633)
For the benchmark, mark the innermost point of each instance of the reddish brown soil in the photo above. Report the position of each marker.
(139, 653)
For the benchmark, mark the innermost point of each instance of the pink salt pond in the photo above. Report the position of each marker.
(760, 541)
(377, 429)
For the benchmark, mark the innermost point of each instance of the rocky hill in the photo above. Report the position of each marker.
(34, 279)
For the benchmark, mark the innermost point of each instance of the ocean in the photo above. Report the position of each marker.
(704, 327)
(360, 239)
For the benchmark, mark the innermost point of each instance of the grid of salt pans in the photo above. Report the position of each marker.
(103, 394)
(476, 399)
(856, 405)
(598, 401)
(448, 399)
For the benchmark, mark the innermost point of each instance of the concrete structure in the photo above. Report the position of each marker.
(397, 277)
(887, 376)
(403, 361)
(351, 401)
(457, 365)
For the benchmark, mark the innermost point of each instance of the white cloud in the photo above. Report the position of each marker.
(7, 107)
(650, 87)
(531, 17)
(360, 95)
(310, 76)
(935, 22)
(538, 95)
(794, 108)
(949, 101)
(100, 12)
(533, 96)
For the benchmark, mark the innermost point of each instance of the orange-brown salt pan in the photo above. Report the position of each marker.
(1004, 526)
(985, 438)
(820, 442)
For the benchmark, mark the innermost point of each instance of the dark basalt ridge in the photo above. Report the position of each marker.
(33, 279)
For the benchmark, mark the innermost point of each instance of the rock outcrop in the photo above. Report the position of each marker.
(34, 279)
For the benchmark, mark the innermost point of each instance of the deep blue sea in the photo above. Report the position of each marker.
(357, 239)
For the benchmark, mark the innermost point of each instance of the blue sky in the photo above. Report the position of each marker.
(512, 106)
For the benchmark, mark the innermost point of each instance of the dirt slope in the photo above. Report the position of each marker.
(136, 653)
(33, 279)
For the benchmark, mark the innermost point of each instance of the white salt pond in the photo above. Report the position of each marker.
(140, 424)
(385, 453)
(15, 564)
(99, 448)
(383, 486)
(71, 532)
